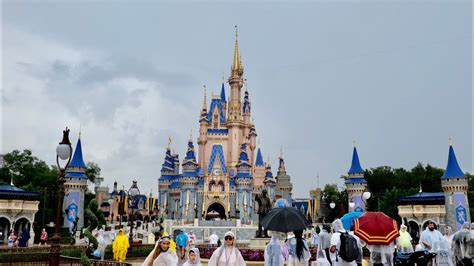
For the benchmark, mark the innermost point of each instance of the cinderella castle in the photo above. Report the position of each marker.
(229, 171)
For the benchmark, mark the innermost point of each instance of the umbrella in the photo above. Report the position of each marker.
(285, 219)
(348, 219)
(376, 228)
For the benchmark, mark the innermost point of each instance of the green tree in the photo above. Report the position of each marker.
(92, 171)
(332, 194)
(32, 174)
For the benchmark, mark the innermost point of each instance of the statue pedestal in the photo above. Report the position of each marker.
(259, 243)
(196, 222)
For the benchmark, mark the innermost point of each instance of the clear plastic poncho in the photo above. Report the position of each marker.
(404, 241)
(381, 253)
(321, 259)
(444, 255)
(273, 255)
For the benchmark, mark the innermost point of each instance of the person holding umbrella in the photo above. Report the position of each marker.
(273, 252)
(227, 254)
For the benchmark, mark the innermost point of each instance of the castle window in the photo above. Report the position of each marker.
(216, 120)
(211, 185)
(221, 184)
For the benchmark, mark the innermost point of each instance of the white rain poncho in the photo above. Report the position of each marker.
(461, 243)
(165, 258)
(273, 255)
(381, 253)
(227, 255)
(321, 259)
(198, 258)
(443, 252)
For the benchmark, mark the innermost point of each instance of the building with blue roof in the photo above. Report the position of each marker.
(75, 188)
(448, 207)
(17, 208)
(225, 171)
(455, 185)
(355, 183)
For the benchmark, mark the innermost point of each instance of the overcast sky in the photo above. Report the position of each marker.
(395, 76)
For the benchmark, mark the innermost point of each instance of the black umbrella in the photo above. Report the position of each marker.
(285, 219)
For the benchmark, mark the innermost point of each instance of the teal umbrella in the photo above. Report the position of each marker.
(348, 219)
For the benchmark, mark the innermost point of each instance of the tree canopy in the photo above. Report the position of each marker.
(32, 174)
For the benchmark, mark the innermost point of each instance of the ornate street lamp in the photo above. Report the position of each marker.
(366, 196)
(133, 192)
(332, 205)
(111, 208)
(63, 153)
(351, 205)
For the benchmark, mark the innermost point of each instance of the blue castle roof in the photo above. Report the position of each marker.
(355, 166)
(216, 103)
(243, 167)
(217, 151)
(77, 160)
(168, 165)
(223, 93)
(259, 160)
(268, 172)
(452, 169)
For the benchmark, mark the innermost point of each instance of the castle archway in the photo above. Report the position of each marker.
(215, 210)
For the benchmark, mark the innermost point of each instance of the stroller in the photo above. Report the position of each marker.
(419, 258)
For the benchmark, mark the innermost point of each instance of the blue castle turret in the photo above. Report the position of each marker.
(188, 182)
(270, 182)
(356, 183)
(75, 188)
(455, 185)
(243, 182)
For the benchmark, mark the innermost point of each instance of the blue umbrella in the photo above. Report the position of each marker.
(348, 219)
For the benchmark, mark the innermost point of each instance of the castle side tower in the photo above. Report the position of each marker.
(165, 181)
(235, 119)
(243, 182)
(202, 139)
(455, 185)
(270, 183)
(75, 187)
(284, 185)
(189, 180)
(259, 170)
(356, 183)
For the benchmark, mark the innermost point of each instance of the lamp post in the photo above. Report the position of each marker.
(365, 196)
(63, 153)
(111, 208)
(351, 206)
(133, 192)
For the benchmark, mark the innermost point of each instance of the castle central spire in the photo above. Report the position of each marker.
(236, 65)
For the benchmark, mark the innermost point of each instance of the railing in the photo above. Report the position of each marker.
(217, 223)
(108, 263)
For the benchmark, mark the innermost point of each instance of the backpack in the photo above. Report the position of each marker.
(349, 250)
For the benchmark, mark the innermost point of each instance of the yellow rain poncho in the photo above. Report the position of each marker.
(172, 242)
(120, 246)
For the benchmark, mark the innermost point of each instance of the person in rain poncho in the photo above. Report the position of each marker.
(461, 245)
(162, 254)
(336, 244)
(102, 244)
(227, 254)
(430, 235)
(120, 246)
(193, 258)
(448, 235)
(298, 249)
(273, 252)
(404, 240)
(321, 259)
(315, 237)
(325, 240)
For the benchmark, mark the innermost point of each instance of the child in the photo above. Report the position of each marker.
(193, 258)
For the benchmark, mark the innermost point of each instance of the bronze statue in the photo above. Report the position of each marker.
(264, 206)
